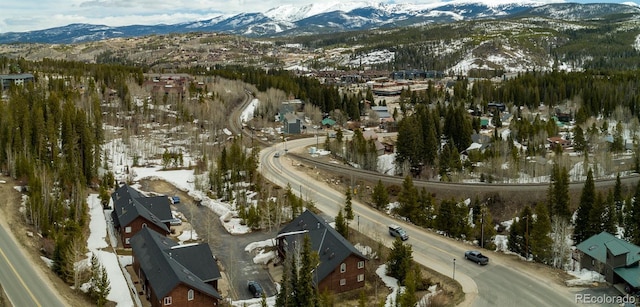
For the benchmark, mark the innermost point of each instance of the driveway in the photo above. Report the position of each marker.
(235, 263)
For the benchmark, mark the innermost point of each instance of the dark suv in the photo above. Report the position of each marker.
(254, 288)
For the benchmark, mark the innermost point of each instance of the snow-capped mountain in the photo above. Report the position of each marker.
(330, 17)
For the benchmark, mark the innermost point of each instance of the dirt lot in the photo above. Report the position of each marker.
(14, 220)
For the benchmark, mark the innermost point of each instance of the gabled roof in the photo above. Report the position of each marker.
(129, 203)
(332, 247)
(166, 264)
(328, 121)
(197, 258)
(596, 246)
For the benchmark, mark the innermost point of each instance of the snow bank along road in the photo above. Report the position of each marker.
(504, 282)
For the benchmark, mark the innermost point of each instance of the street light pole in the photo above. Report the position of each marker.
(454, 268)
(358, 222)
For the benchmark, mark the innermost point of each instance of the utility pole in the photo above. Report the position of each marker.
(482, 227)
(526, 239)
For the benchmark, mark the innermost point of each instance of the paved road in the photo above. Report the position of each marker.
(504, 282)
(20, 281)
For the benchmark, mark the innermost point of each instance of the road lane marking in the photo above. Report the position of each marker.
(19, 278)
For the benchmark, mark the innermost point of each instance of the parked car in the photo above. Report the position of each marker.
(397, 232)
(476, 257)
(255, 288)
(175, 221)
(277, 155)
(175, 199)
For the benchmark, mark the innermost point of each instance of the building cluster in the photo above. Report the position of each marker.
(169, 273)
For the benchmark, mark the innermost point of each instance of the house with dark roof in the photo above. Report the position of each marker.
(16, 79)
(341, 267)
(616, 259)
(133, 211)
(174, 274)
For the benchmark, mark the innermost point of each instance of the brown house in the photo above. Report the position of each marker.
(173, 274)
(556, 141)
(133, 211)
(341, 267)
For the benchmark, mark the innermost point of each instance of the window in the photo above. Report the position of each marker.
(343, 282)
(126, 240)
(127, 229)
(360, 264)
(144, 225)
(360, 277)
(167, 300)
(190, 295)
(343, 267)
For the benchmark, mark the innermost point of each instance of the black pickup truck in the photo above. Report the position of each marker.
(476, 257)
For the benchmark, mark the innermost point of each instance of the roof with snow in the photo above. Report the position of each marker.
(332, 247)
(129, 203)
(166, 264)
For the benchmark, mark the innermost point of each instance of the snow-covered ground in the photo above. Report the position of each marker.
(97, 245)
(391, 283)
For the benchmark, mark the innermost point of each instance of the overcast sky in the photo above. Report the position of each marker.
(29, 15)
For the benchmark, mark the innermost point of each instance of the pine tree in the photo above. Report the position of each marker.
(514, 243)
(560, 199)
(103, 287)
(631, 218)
(348, 209)
(400, 260)
(426, 209)
(408, 199)
(596, 216)
(541, 242)
(587, 198)
(380, 196)
(444, 218)
(282, 299)
(408, 297)
(341, 224)
(100, 285)
(293, 279)
(617, 199)
(304, 290)
(579, 143)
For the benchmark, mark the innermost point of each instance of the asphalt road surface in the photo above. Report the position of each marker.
(504, 282)
(20, 281)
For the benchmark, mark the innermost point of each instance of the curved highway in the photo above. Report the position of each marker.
(504, 282)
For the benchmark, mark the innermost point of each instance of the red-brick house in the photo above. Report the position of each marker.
(341, 267)
(173, 274)
(132, 211)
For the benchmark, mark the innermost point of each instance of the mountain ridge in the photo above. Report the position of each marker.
(289, 20)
